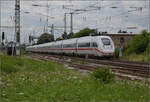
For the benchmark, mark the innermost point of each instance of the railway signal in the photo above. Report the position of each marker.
(121, 46)
(65, 24)
(3, 36)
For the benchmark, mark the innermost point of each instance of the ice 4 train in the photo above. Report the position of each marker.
(88, 46)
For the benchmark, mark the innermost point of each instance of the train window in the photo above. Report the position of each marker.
(65, 46)
(94, 44)
(52, 46)
(73, 45)
(105, 41)
(84, 45)
(58, 46)
(69, 45)
(55, 46)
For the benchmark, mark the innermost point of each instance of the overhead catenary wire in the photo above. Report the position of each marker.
(95, 9)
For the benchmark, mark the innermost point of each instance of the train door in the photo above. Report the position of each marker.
(76, 46)
(61, 48)
(93, 45)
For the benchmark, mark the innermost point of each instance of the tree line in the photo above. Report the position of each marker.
(44, 38)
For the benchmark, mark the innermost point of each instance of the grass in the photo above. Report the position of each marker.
(25, 79)
(137, 57)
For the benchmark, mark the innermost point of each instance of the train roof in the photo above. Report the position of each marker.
(84, 39)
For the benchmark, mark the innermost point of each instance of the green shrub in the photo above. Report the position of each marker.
(117, 53)
(139, 44)
(85, 32)
(8, 68)
(10, 64)
(147, 50)
(103, 75)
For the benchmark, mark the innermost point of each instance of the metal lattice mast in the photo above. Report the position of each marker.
(47, 17)
(17, 21)
(0, 23)
(71, 25)
(65, 23)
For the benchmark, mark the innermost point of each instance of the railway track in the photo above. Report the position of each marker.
(121, 68)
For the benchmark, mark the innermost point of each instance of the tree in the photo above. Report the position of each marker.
(103, 33)
(44, 38)
(59, 39)
(124, 31)
(120, 31)
(85, 32)
(139, 44)
(70, 35)
(64, 36)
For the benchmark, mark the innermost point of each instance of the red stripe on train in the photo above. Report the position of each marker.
(78, 49)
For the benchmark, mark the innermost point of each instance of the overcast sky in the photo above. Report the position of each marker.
(109, 16)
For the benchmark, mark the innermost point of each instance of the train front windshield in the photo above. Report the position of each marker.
(106, 41)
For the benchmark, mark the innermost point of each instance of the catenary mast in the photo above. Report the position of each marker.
(17, 26)
(17, 21)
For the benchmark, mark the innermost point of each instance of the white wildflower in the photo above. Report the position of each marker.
(68, 78)
(80, 81)
(74, 77)
(141, 96)
(21, 93)
(3, 94)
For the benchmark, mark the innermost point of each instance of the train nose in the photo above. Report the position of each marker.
(107, 47)
(109, 50)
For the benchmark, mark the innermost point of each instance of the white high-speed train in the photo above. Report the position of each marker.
(87, 46)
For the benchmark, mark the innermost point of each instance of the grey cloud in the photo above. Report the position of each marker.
(93, 19)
